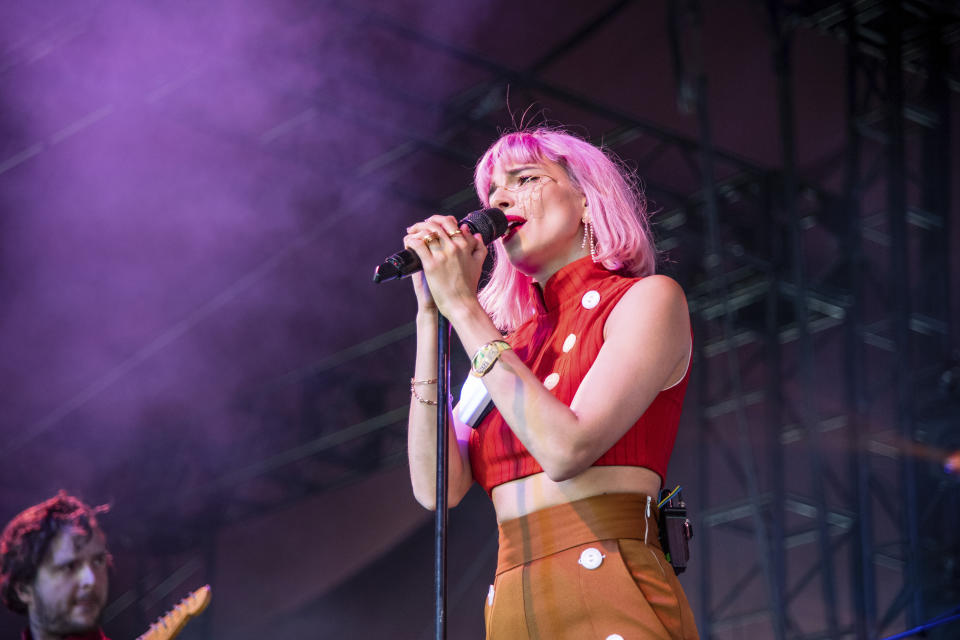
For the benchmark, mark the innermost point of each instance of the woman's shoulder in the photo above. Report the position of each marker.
(657, 294)
(658, 282)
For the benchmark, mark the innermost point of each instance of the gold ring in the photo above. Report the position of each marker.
(456, 233)
(431, 237)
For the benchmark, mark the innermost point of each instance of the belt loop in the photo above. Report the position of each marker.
(646, 521)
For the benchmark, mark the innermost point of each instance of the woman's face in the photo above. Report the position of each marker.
(546, 212)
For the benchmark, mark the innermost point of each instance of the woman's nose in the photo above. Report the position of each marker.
(501, 199)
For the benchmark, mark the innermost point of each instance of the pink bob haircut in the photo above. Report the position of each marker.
(618, 213)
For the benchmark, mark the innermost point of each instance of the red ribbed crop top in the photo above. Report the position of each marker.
(559, 344)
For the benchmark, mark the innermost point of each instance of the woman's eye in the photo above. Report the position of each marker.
(522, 180)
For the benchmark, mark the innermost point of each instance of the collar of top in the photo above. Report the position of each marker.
(570, 283)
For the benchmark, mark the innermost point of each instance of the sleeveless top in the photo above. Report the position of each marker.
(559, 344)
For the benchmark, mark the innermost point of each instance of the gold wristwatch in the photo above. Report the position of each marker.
(487, 356)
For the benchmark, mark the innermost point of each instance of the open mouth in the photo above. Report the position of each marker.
(513, 223)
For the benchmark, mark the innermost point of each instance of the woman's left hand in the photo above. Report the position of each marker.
(452, 260)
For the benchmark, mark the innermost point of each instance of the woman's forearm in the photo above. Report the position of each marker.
(422, 426)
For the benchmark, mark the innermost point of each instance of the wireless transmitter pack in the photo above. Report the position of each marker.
(675, 530)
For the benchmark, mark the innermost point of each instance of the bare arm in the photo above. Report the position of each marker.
(422, 427)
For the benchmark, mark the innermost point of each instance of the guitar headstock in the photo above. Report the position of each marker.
(196, 602)
(176, 619)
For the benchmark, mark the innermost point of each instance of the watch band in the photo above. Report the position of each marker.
(487, 356)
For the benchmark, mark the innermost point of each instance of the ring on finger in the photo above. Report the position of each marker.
(431, 237)
(455, 233)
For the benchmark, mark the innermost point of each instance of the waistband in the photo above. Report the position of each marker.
(610, 516)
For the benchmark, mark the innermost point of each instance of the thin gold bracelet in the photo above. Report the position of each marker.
(420, 398)
(413, 389)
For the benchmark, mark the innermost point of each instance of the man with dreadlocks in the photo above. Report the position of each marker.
(53, 569)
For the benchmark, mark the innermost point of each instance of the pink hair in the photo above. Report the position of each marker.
(618, 214)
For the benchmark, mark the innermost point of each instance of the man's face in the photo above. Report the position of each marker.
(70, 589)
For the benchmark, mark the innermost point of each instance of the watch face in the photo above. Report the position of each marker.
(485, 358)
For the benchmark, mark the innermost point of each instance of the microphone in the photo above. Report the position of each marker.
(489, 223)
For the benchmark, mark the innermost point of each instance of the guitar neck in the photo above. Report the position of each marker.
(176, 619)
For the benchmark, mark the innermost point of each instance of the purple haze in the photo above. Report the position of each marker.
(182, 214)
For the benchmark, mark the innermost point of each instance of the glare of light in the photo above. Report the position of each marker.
(952, 463)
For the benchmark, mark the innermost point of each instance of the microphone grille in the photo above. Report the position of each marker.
(489, 223)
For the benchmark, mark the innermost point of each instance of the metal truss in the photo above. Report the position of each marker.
(898, 121)
(888, 298)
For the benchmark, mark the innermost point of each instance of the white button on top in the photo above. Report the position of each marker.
(569, 342)
(551, 380)
(590, 299)
(591, 558)
(614, 636)
(490, 596)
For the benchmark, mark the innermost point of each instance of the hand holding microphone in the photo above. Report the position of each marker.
(489, 223)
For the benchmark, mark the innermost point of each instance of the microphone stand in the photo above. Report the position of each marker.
(443, 429)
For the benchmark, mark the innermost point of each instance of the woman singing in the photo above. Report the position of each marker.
(587, 386)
